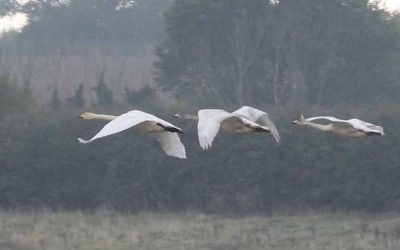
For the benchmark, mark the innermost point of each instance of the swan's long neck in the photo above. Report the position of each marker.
(103, 117)
(322, 127)
(188, 117)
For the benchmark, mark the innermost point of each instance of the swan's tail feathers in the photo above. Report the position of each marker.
(83, 141)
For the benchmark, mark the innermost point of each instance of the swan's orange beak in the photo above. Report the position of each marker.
(80, 116)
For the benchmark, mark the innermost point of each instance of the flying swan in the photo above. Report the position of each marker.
(165, 132)
(350, 128)
(242, 120)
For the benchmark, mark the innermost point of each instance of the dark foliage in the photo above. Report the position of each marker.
(78, 26)
(329, 57)
(256, 52)
(42, 164)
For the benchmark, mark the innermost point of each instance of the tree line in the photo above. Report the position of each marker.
(288, 57)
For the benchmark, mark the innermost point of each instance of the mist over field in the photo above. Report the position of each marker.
(312, 190)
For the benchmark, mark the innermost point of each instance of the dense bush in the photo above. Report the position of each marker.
(42, 164)
(288, 57)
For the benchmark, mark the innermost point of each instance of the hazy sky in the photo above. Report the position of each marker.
(17, 21)
(393, 4)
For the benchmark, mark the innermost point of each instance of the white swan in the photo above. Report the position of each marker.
(351, 128)
(165, 132)
(260, 117)
(240, 121)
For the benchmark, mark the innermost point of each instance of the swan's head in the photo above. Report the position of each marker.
(300, 121)
(185, 117)
(87, 116)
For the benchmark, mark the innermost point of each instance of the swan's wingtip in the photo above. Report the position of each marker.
(181, 155)
(82, 140)
(205, 145)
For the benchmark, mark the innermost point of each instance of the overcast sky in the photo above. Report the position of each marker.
(393, 4)
(17, 21)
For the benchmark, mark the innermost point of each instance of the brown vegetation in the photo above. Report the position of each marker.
(104, 230)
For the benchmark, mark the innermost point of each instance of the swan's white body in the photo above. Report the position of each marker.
(166, 133)
(242, 120)
(351, 128)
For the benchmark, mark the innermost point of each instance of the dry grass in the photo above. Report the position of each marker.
(108, 230)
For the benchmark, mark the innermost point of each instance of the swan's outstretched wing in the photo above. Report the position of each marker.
(366, 127)
(327, 118)
(120, 123)
(126, 121)
(155, 119)
(209, 124)
(355, 123)
(169, 141)
(171, 144)
(337, 123)
(259, 116)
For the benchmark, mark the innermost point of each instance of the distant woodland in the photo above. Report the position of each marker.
(287, 57)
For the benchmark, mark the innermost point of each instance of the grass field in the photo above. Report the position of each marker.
(105, 230)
